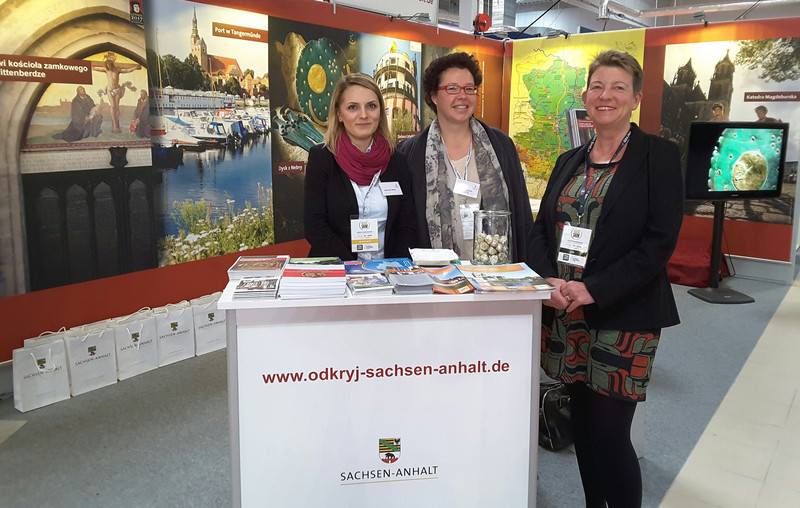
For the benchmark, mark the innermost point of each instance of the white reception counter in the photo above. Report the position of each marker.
(384, 401)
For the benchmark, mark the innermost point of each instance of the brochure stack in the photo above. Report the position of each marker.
(313, 278)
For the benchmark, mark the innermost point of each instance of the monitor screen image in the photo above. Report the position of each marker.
(735, 160)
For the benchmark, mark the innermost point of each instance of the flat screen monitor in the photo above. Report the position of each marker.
(735, 160)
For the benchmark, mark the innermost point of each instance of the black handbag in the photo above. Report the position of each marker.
(555, 432)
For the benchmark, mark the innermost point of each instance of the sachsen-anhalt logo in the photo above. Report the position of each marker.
(389, 449)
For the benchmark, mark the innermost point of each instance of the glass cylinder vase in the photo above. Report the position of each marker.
(492, 241)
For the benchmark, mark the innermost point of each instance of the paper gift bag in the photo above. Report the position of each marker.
(40, 375)
(175, 329)
(209, 324)
(136, 344)
(91, 357)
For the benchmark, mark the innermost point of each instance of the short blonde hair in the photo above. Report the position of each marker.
(335, 127)
(625, 61)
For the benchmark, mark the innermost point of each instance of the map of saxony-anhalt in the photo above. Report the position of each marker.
(551, 92)
(547, 80)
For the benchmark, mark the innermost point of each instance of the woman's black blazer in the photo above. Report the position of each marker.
(330, 201)
(636, 233)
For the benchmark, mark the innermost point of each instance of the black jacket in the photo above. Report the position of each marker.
(626, 269)
(330, 201)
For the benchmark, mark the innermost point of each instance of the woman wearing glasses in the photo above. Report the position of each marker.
(459, 164)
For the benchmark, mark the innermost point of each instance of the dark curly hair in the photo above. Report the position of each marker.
(460, 60)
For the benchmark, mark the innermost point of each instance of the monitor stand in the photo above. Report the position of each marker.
(714, 293)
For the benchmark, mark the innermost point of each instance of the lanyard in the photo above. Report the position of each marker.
(619, 149)
(584, 192)
(466, 166)
(365, 195)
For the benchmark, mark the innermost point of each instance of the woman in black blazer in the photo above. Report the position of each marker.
(608, 223)
(355, 180)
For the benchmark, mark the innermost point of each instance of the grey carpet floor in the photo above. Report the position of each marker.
(157, 440)
(695, 365)
(161, 439)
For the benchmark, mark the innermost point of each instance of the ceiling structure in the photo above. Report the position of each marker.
(642, 12)
(565, 16)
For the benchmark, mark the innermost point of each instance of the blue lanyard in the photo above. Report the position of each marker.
(584, 192)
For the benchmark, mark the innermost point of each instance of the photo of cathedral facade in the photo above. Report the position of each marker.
(684, 100)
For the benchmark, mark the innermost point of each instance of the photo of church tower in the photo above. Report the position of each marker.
(684, 100)
(720, 90)
(220, 68)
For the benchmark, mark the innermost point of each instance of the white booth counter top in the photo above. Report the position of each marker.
(226, 300)
(392, 401)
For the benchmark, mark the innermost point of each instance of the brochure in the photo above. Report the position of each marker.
(261, 287)
(376, 265)
(258, 266)
(369, 284)
(508, 277)
(410, 281)
(449, 280)
(316, 261)
(313, 278)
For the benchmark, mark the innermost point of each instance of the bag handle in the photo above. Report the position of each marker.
(99, 333)
(211, 299)
(48, 332)
(44, 369)
(130, 335)
(210, 303)
(140, 311)
(180, 308)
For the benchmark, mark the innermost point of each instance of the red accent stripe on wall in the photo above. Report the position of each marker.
(744, 238)
(732, 31)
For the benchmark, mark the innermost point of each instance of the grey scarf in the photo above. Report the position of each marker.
(440, 210)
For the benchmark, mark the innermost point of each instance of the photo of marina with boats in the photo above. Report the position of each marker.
(197, 120)
(210, 129)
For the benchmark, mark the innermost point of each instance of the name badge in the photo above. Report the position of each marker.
(467, 213)
(466, 188)
(363, 235)
(391, 188)
(574, 247)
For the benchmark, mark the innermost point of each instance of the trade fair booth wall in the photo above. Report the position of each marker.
(101, 216)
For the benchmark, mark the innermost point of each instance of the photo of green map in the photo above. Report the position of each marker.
(547, 79)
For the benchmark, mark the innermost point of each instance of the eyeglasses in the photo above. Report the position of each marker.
(455, 89)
